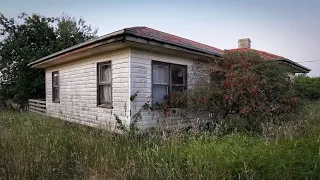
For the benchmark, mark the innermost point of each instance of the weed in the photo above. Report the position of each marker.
(37, 147)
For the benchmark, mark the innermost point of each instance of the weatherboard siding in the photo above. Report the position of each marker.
(141, 72)
(291, 75)
(78, 90)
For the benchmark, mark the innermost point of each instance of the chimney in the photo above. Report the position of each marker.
(244, 43)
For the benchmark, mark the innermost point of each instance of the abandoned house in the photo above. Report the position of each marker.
(91, 83)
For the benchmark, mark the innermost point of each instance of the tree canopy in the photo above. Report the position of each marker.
(28, 38)
(307, 87)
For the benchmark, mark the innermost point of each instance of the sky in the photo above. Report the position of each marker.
(288, 28)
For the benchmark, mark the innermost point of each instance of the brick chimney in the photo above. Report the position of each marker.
(244, 43)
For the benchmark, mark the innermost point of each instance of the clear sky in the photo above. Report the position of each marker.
(289, 28)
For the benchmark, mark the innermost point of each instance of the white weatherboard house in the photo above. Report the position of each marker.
(91, 83)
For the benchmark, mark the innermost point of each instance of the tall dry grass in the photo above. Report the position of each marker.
(35, 147)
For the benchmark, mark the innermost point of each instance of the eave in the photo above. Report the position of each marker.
(302, 69)
(124, 37)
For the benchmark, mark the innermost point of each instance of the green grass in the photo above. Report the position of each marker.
(35, 147)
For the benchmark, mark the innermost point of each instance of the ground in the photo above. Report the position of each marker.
(38, 147)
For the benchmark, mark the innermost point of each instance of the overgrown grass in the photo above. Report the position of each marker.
(35, 147)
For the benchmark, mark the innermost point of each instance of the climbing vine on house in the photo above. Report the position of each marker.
(136, 117)
(254, 86)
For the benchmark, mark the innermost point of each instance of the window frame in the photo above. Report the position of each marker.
(107, 104)
(55, 98)
(170, 85)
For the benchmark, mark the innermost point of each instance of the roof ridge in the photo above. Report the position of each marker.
(132, 27)
(264, 52)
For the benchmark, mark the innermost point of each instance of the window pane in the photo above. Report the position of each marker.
(105, 94)
(160, 74)
(55, 79)
(178, 88)
(158, 93)
(105, 73)
(178, 75)
(56, 94)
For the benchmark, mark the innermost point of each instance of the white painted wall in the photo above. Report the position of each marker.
(140, 64)
(291, 75)
(78, 90)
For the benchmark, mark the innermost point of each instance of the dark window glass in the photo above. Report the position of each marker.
(55, 87)
(178, 75)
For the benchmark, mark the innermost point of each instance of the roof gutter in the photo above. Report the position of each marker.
(305, 69)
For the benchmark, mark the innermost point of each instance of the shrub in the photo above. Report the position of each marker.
(254, 86)
(244, 85)
(307, 87)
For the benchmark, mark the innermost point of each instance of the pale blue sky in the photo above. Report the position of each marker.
(289, 28)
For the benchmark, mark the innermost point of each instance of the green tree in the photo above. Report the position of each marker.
(30, 38)
(307, 87)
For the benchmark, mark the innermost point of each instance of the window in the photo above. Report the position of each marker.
(104, 85)
(167, 78)
(55, 87)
